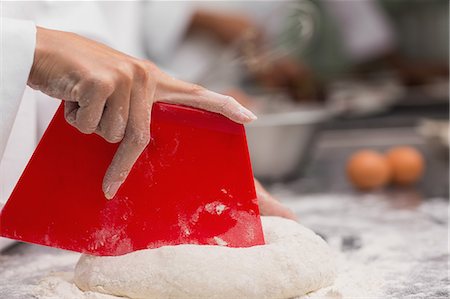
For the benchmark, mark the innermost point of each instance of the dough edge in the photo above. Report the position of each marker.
(295, 261)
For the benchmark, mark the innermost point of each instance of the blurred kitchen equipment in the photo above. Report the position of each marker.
(359, 98)
(289, 28)
(279, 140)
(193, 184)
(436, 134)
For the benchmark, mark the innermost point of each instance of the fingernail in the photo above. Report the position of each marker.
(111, 190)
(247, 114)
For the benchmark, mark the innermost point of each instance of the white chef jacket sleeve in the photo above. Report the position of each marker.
(17, 44)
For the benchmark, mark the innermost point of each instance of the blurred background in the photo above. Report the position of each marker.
(325, 77)
(352, 98)
(328, 78)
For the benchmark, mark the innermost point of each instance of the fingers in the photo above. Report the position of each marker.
(84, 118)
(269, 206)
(70, 112)
(137, 136)
(171, 90)
(117, 105)
(85, 114)
(113, 123)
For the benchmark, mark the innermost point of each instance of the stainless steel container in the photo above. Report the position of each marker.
(279, 141)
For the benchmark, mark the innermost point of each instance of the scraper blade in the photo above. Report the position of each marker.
(193, 184)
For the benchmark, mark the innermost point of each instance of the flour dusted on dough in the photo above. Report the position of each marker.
(294, 261)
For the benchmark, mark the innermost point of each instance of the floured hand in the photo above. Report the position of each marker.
(111, 94)
(269, 206)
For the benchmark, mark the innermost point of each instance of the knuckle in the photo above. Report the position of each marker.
(124, 72)
(149, 66)
(85, 127)
(123, 66)
(102, 84)
(113, 132)
(139, 139)
(113, 137)
(86, 121)
(106, 86)
(90, 78)
(196, 89)
(84, 101)
(76, 92)
(141, 72)
(151, 71)
(226, 103)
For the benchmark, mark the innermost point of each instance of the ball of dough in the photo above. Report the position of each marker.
(407, 164)
(368, 169)
(293, 262)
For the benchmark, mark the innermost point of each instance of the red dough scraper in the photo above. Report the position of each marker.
(192, 184)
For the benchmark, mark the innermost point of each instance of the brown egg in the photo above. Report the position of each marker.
(368, 169)
(407, 164)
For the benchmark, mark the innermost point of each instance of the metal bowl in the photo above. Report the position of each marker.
(280, 140)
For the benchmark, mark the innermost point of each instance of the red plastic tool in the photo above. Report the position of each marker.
(192, 184)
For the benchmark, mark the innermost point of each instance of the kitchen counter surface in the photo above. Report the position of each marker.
(404, 246)
(403, 241)
(398, 234)
(393, 242)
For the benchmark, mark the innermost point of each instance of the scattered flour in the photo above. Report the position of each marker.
(384, 252)
(215, 208)
(220, 241)
(59, 285)
(388, 247)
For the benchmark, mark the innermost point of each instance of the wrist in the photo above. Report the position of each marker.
(42, 52)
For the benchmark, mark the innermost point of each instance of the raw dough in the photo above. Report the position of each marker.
(294, 261)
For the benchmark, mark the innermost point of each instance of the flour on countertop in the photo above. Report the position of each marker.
(383, 252)
(399, 251)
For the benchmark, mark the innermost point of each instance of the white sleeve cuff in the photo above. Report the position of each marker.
(17, 42)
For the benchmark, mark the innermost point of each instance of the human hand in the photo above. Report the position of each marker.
(111, 94)
(269, 206)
